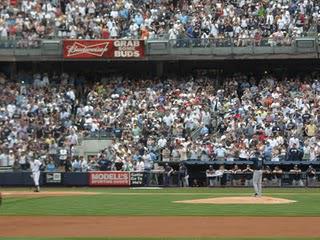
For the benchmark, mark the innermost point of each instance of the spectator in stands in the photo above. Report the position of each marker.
(140, 165)
(245, 116)
(50, 167)
(16, 167)
(165, 155)
(93, 165)
(267, 153)
(4, 161)
(128, 166)
(220, 152)
(63, 154)
(83, 164)
(104, 164)
(294, 154)
(30, 21)
(68, 165)
(76, 165)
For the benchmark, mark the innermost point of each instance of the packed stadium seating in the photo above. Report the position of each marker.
(173, 119)
(29, 20)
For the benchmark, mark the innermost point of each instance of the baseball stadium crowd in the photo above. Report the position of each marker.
(198, 117)
(29, 20)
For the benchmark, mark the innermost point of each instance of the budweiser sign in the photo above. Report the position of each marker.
(103, 49)
(94, 50)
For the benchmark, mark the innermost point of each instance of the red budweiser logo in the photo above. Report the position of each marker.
(78, 48)
(103, 48)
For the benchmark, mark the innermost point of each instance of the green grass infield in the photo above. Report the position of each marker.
(160, 202)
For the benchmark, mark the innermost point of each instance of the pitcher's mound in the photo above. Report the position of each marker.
(239, 200)
(44, 194)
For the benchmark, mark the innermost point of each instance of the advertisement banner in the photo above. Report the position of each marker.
(136, 179)
(91, 49)
(113, 178)
(53, 178)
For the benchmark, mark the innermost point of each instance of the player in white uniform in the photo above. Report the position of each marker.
(35, 168)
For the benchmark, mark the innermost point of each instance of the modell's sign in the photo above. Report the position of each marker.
(109, 179)
(103, 49)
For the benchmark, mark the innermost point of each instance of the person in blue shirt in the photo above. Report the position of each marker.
(204, 130)
(184, 19)
(124, 13)
(190, 32)
(138, 19)
(51, 167)
(267, 152)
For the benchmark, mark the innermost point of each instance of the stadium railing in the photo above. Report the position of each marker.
(155, 178)
(184, 46)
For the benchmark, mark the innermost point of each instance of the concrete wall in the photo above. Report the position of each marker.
(92, 147)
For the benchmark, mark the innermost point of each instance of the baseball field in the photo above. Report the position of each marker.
(194, 213)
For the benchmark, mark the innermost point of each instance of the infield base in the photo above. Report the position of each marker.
(238, 200)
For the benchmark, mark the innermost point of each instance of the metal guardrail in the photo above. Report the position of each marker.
(187, 47)
(242, 46)
(99, 135)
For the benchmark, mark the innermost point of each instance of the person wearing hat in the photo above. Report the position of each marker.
(277, 176)
(257, 176)
(183, 175)
(35, 165)
(311, 176)
(295, 176)
(168, 171)
(210, 174)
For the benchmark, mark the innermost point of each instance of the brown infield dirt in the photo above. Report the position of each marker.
(238, 200)
(134, 226)
(153, 226)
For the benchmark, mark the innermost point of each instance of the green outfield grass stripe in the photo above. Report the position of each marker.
(161, 204)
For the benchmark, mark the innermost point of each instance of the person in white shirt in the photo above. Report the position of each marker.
(162, 142)
(35, 168)
(84, 164)
(4, 159)
(140, 166)
(294, 140)
(220, 152)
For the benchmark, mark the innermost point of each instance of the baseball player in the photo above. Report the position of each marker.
(35, 165)
(257, 177)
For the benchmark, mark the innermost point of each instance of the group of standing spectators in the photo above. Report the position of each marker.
(199, 117)
(278, 20)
